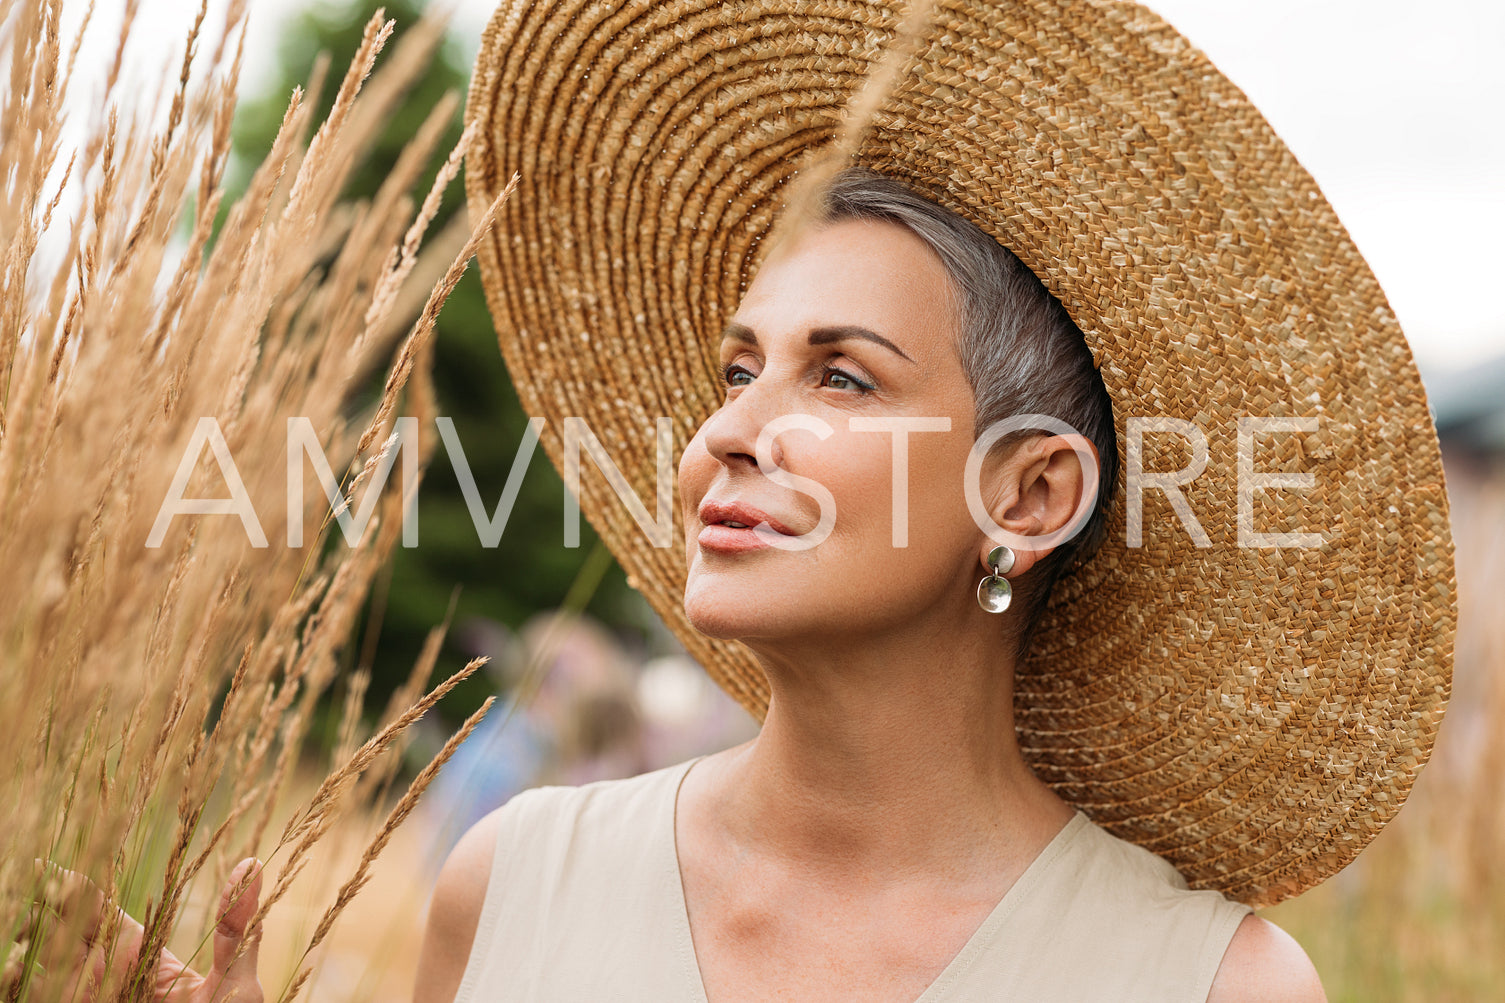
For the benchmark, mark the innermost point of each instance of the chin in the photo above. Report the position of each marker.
(715, 611)
(714, 618)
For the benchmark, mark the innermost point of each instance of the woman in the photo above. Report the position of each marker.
(1240, 668)
(860, 846)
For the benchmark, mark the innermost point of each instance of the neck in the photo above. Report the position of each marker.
(886, 755)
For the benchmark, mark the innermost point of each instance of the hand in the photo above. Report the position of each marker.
(88, 976)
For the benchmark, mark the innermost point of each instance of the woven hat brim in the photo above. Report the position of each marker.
(1253, 714)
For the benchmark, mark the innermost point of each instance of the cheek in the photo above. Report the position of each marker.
(938, 523)
(863, 488)
(858, 470)
(696, 468)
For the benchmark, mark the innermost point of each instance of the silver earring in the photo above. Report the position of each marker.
(994, 592)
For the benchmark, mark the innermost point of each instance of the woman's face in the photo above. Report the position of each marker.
(856, 322)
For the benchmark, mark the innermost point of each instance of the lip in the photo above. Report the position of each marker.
(730, 539)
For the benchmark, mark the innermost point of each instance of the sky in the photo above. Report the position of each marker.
(1397, 109)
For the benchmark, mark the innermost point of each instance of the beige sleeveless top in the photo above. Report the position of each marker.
(585, 905)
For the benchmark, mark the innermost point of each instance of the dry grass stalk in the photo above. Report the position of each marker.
(395, 818)
(373, 786)
(305, 827)
(807, 189)
(165, 692)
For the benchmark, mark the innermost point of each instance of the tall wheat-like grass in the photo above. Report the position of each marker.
(157, 698)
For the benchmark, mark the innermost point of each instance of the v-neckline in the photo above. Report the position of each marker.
(985, 934)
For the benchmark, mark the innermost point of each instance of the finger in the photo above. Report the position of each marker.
(235, 947)
(91, 938)
(82, 982)
(66, 914)
(15, 969)
(65, 896)
(75, 902)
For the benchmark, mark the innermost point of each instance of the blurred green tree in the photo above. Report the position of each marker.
(530, 570)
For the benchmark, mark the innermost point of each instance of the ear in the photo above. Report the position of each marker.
(1034, 491)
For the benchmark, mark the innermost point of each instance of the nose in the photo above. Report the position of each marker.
(731, 434)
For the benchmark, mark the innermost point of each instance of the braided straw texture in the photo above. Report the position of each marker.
(1253, 714)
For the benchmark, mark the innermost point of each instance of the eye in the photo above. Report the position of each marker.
(838, 379)
(735, 375)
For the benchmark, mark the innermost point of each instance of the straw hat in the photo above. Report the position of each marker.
(1254, 714)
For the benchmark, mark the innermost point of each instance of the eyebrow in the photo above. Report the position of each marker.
(819, 336)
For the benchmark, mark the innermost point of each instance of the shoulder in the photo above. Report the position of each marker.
(1240, 957)
(1264, 964)
(533, 832)
(455, 911)
(459, 898)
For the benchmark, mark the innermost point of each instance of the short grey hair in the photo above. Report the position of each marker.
(1020, 350)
